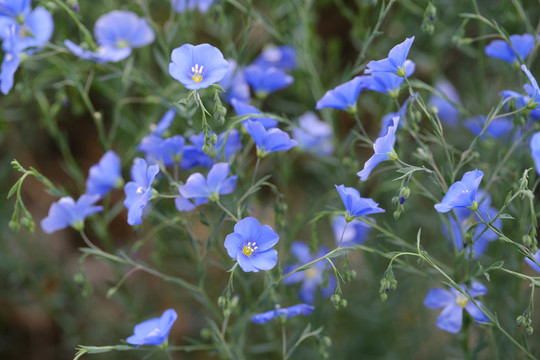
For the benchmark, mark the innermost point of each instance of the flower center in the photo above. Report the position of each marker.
(250, 248)
(122, 44)
(311, 273)
(461, 300)
(140, 190)
(9, 57)
(196, 73)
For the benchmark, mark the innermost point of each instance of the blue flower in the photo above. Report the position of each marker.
(105, 175)
(154, 331)
(183, 5)
(311, 278)
(355, 205)
(286, 313)
(227, 145)
(314, 135)
(535, 150)
(243, 109)
(388, 119)
(31, 28)
(282, 57)
(396, 62)
(446, 111)
(163, 123)
(117, 32)
(139, 190)
(269, 141)
(158, 150)
(453, 301)
(498, 127)
(235, 83)
(532, 264)
(266, 80)
(344, 96)
(356, 231)
(199, 66)
(66, 212)
(217, 183)
(461, 194)
(466, 218)
(251, 245)
(385, 83)
(383, 147)
(521, 44)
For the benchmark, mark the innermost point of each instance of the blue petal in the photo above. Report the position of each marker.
(535, 150)
(167, 320)
(248, 228)
(243, 109)
(370, 164)
(138, 172)
(278, 140)
(60, 215)
(477, 289)
(282, 57)
(195, 186)
(234, 243)
(183, 204)
(266, 238)
(399, 52)
(264, 260)
(451, 318)
(7, 72)
(446, 110)
(40, 24)
(437, 298)
(532, 264)
(123, 26)
(476, 313)
(245, 263)
(344, 96)
(264, 317)
(257, 132)
(301, 252)
(299, 309)
(104, 176)
(217, 174)
(165, 122)
(499, 49)
(266, 80)
(461, 193)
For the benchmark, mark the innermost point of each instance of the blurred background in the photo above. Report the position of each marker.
(53, 299)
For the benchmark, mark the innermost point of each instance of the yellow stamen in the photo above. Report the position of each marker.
(196, 73)
(140, 190)
(461, 300)
(249, 248)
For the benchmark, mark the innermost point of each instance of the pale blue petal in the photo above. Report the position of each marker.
(451, 318)
(437, 298)
(264, 260)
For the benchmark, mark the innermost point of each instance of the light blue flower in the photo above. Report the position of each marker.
(66, 212)
(355, 205)
(228, 144)
(521, 44)
(535, 150)
(282, 57)
(31, 28)
(154, 331)
(139, 190)
(356, 231)
(286, 313)
(251, 245)
(396, 62)
(269, 141)
(314, 135)
(183, 5)
(498, 127)
(388, 119)
(311, 278)
(461, 194)
(216, 183)
(243, 109)
(117, 32)
(235, 84)
(446, 111)
(197, 66)
(266, 80)
(105, 175)
(383, 147)
(388, 83)
(344, 96)
(158, 150)
(454, 302)
(466, 218)
(532, 264)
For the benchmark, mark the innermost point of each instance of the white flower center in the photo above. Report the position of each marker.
(196, 73)
(249, 248)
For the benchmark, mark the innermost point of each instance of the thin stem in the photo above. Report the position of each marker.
(255, 171)
(227, 211)
(284, 341)
(342, 234)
